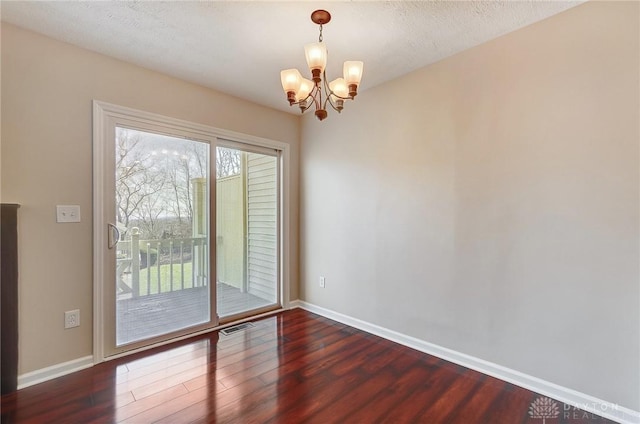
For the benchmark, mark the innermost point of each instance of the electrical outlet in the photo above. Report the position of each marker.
(322, 282)
(72, 318)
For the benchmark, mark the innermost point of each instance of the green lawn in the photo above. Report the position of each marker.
(165, 278)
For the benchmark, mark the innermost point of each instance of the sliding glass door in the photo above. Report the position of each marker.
(186, 229)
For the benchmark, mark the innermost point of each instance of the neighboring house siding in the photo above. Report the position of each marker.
(262, 229)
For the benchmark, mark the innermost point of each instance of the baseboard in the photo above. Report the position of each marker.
(58, 370)
(568, 396)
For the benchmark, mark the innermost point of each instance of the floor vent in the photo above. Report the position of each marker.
(236, 328)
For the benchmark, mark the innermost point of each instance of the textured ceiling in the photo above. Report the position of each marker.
(240, 47)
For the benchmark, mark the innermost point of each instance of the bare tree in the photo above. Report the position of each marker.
(135, 179)
(181, 170)
(227, 162)
(198, 154)
(148, 215)
(154, 178)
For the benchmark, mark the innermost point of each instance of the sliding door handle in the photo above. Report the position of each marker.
(113, 235)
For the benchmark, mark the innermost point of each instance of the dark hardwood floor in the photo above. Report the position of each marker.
(293, 367)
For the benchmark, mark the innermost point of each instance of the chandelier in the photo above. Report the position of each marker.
(317, 92)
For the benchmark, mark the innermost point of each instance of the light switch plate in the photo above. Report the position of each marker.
(67, 213)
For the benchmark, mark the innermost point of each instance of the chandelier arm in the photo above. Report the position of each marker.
(315, 93)
(301, 102)
(333, 106)
(330, 101)
(329, 92)
(326, 100)
(342, 98)
(306, 102)
(320, 94)
(324, 82)
(314, 102)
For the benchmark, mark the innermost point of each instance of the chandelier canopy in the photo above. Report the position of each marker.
(317, 92)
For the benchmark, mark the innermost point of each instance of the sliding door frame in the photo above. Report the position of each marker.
(105, 117)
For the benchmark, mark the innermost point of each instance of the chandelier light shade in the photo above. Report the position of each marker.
(316, 54)
(318, 92)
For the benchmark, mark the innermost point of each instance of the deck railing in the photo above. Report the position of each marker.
(146, 267)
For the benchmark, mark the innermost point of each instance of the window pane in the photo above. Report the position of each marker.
(162, 265)
(247, 231)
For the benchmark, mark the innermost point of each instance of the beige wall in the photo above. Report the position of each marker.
(489, 203)
(47, 90)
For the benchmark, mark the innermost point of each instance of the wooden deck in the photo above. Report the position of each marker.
(232, 301)
(294, 367)
(148, 316)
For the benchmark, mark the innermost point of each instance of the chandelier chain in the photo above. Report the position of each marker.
(320, 37)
